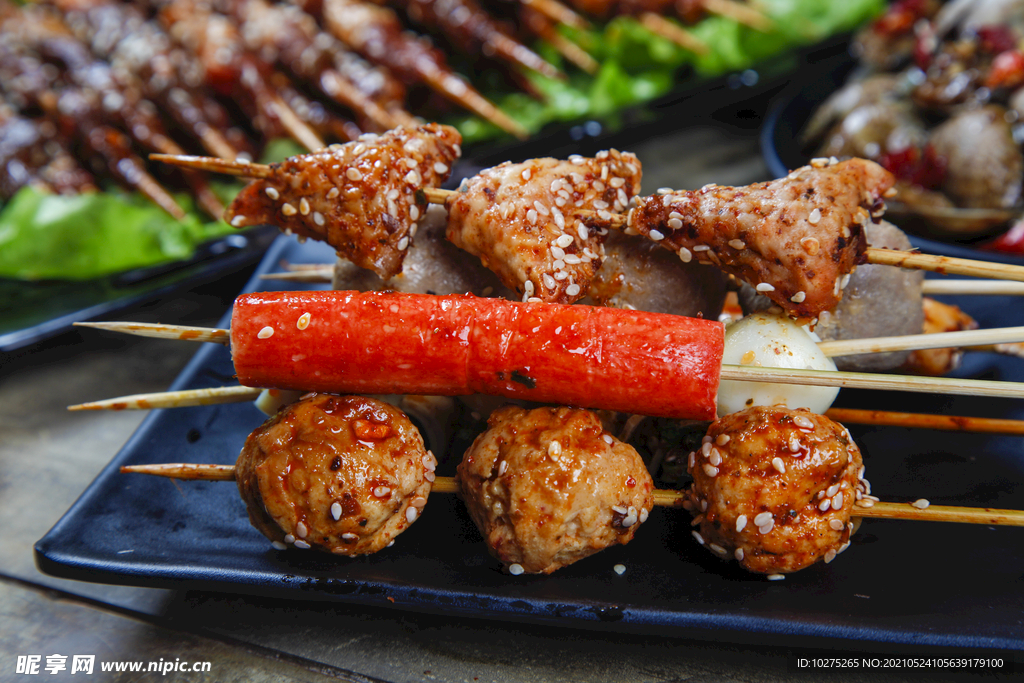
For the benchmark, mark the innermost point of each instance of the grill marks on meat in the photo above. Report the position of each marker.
(794, 239)
(363, 198)
(519, 220)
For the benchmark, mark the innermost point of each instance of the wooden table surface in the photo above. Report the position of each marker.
(48, 456)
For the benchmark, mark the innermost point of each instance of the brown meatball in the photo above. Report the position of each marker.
(548, 487)
(344, 474)
(775, 488)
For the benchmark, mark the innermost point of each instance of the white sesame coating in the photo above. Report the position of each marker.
(266, 333)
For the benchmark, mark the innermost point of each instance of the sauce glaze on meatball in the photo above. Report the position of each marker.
(775, 488)
(344, 474)
(549, 486)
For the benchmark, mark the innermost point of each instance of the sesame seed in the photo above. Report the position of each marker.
(836, 524)
(549, 282)
(381, 491)
(692, 460)
(601, 204)
(289, 538)
(608, 439)
(413, 177)
(710, 470)
(814, 217)
(921, 504)
(266, 333)
(301, 530)
(288, 210)
(741, 523)
(616, 182)
(798, 298)
(684, 255)
(554, 448)
(440, 168)
(738, 554)
(336, 511)
(701, 247)
(419, 502)
(349, 536)
(531, 216)
(737, 244)
(528, 287)
(766, 528)
(515, 569)
(762, 519)
(273, 193)
(304, 206)
(302, 545)
(564, 241)
(776, 577)
(803, 422)
(715, 458)
(502, 467)
(573, 259)
(704, 505)
(656, 235)
(278, 545)
(237, 221)
(526, 174)
(765, 287)
(819, 162)
(403, 244)
(825, 504)
(830, 555)
(619, 569)
(779, 465)
(318, 218)
(696, 535)
(643, 515)
(722, 439)
(837, 501)
(572, 290)
(810, 245)
(832, 490)
(411, 514)
(353, 174)
(559, 221)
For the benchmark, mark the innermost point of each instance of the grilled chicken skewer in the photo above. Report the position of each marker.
(657, 221)
(376, 33)
(31, 154)
(290, 37)
(233, 71)
(120, 34)
(474, 32)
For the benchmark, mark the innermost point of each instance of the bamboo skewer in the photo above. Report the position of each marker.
(1004, 287)
(180, 332)
(740, 13)
(240, 394)
(659, 25)
(557, 12)
(937, 340)
(663, 497)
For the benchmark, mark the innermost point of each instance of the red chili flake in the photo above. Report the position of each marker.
(1007, 70)
(365, 429)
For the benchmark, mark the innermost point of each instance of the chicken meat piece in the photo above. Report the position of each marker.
(775, 488)
(363, 197)
(879, 301)
(550, 486)
(795, 239)
(519, 220)
(342, 474)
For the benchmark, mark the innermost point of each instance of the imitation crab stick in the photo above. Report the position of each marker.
(382, 343)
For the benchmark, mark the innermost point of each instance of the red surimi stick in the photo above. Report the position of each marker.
(383, 343)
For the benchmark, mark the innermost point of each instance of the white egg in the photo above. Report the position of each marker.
(773, 340)
(271, 400)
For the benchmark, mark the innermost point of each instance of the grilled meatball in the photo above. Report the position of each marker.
(518, 219)
(985, 167)
(775, 488)
(548, 487)
(363, 198)
(794, 238)
(343, 474)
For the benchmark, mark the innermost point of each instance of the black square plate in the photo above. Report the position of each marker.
(926, 584)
